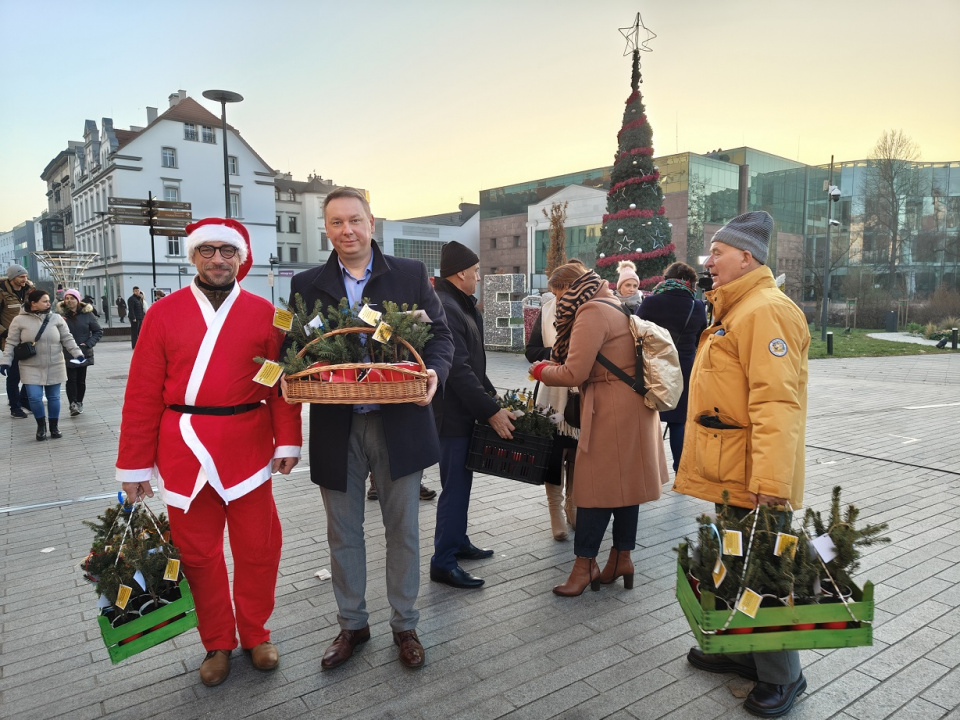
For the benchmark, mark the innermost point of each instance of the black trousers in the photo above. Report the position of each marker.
(76, 383)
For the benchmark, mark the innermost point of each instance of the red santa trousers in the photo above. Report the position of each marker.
(255, 541)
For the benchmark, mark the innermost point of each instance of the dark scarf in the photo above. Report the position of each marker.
(582, 290)
(672, 284)
(217, 295)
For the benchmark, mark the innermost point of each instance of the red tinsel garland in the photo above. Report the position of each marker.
(650, 282)
(633, 96)
(621, 214)
(635, 256)
(652, 177)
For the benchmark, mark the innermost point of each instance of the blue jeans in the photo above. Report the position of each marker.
(592, 524)
(16, 395)
(35, 395)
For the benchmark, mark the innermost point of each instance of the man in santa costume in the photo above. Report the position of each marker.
(190, 405)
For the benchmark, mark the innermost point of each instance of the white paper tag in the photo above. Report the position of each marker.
(824, 547)
(140, 580)
(369, 315)
(316, 323)
(103, 602)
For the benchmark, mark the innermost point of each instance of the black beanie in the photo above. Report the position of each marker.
(455, 257)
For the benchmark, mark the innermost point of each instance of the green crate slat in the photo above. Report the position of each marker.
(113, 636)
(764, 641)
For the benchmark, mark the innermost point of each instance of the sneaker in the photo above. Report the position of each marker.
(73, 409)
(426, 493)
(18, 413)
(80, 408)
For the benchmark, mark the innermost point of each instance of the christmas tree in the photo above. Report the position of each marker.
(634, 226)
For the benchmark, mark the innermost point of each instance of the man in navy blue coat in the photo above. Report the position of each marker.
(394, 441)
(468, 396)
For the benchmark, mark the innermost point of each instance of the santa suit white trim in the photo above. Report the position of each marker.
(208, 472)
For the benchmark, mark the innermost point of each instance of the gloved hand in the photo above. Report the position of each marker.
(3, 369)
(537, 368)
(80, 359)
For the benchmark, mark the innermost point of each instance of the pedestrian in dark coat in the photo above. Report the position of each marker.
(121, 308)
(673, 307)
(137, 311)
(82, 321)
(394, 442)
(467, 397)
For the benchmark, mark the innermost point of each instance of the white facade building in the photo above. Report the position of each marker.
(177, 156)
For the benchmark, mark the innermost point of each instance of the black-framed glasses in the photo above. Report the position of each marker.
(208, 251)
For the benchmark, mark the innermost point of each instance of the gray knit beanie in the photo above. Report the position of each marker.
(750, 231)
(15, 271)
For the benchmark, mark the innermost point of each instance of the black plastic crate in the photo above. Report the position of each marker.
(524, 458)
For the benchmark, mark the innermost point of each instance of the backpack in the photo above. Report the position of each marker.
(658, 377)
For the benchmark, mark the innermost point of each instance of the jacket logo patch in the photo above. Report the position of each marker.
(778, 347)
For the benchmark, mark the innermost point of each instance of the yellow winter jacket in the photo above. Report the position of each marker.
(747, 409)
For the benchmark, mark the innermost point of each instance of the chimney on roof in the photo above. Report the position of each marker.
(151, 114)
(176, 97)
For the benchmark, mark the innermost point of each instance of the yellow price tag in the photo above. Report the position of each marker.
(786, 545)
(732, 542)
(268, 374)
(369, 315)
(749, 603)
(719, 573)
(123, 596)
(172, 571)
(383, 333)
(283, 319)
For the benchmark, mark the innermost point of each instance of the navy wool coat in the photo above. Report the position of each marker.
(410, 430)
(670, 310)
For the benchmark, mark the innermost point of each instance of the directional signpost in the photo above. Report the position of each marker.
(166, 218)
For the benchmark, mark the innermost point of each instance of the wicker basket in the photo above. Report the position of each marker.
(306, 387)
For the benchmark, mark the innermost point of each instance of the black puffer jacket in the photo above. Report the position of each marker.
(83, 325)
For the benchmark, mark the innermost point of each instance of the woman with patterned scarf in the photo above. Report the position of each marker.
(620, 458)
(673, 307)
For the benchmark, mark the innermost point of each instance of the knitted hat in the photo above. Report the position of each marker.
(628, 271)
(75, 293)
(15, 271)
(225, 230)
(750, 231)
(455, 257)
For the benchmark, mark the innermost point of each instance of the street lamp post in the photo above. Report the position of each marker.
(103, 244)
(274, 260)
(223, 97)
(833, 195)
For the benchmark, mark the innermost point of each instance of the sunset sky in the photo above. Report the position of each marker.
(424, 103)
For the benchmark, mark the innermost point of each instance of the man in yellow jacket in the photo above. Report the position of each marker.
(746, 419)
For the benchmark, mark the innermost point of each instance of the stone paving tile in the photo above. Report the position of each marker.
(512, 649)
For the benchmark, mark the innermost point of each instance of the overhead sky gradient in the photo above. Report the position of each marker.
(424, 103)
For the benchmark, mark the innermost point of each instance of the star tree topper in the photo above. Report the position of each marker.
(632, 36)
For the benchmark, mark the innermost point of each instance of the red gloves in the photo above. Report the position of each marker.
(536, 370)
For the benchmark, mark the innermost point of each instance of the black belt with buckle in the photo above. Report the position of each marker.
(208, 410)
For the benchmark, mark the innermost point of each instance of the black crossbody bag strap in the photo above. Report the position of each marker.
(635, 382)
(43, 326)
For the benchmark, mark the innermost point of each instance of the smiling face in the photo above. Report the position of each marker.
(727, 263)
(71, 302)
(217, 270)
(350, 230)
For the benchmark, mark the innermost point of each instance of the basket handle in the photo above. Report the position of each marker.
(369, 331)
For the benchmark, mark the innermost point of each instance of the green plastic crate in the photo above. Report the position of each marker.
(138, 635)
(702, 616)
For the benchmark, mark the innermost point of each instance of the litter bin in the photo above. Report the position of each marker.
(891, 321)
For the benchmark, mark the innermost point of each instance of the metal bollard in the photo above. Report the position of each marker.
(953, 338)
(829, 343)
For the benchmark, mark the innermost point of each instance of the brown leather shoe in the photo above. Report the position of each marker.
(343, 646)
(426, 493)
(215, 667)
(411, 651)
(264, 656)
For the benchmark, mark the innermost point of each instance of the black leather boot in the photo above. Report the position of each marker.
(42, 429)
(54, 430)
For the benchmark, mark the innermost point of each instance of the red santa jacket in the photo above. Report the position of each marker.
(189, 354)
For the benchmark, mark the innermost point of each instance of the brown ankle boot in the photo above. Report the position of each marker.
(585, 572)
(619, 564)
(555, 504)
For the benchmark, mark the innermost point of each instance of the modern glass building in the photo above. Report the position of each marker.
(702, 192)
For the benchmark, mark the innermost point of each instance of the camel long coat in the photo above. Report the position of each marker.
(620, 458)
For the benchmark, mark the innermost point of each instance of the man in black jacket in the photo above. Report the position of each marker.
(393, 441)
(468, 395)
(136, 310)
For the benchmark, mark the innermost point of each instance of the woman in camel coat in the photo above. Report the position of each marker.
(620, 458)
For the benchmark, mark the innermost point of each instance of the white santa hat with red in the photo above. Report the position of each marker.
(225, 230)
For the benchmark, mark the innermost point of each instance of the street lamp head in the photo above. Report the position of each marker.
(222, 96)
